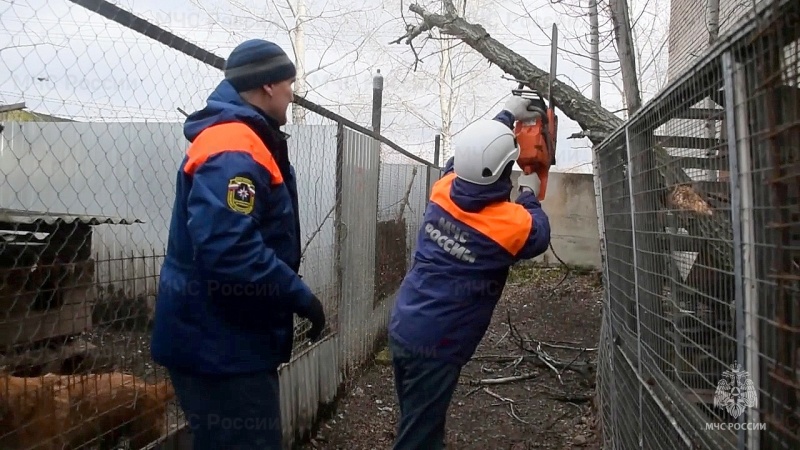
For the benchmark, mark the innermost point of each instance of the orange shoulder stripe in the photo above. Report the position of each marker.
(508, 224)
(232, 136)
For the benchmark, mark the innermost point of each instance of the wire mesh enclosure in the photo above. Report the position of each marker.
(701, 220)
(85, 209)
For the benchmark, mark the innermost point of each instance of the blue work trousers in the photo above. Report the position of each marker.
(424, 389)
(231, 413)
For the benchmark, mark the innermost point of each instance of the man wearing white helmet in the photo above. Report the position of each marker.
(470, 236)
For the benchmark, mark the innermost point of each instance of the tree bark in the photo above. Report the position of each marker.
(627, 57)
(594, 49)
(298, 112)
(711, 124)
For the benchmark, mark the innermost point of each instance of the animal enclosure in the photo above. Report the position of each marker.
(107, 281)
(86, 211)
(701, 333)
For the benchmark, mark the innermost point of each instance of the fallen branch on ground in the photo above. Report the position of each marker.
(514, 414)
(502, 338)
(569, 398)
(555, 421)
(510, 402)
(566, 272)
(503, 380)
(497, 396)
(564, 347)
(580, 367)
(543, 357)
(583, 368)
(566, 397)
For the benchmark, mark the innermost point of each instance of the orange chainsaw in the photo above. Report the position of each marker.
(537, 138)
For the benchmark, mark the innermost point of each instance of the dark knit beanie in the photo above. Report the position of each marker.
(257, 62)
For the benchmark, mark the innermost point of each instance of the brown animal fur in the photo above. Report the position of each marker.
(30, 416)
(74, 410)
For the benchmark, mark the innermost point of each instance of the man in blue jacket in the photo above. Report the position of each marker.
(229, 285)
(470, 236)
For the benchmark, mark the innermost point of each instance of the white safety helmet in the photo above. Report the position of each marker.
(482, 150)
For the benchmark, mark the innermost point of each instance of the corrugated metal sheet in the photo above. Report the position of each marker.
(22, 238)
(30, 116)
(358, 321)
(33, 217)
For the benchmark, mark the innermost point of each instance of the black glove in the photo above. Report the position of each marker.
(316, 315)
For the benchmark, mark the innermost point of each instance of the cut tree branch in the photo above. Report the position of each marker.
(582, 367)
(588, 114)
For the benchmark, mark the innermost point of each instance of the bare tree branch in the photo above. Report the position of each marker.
(574, 105)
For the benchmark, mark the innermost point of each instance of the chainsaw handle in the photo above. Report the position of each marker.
(520, 91)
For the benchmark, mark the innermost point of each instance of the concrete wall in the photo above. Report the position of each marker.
(570, 204)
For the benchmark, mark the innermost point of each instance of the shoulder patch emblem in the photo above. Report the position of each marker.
(241, 194)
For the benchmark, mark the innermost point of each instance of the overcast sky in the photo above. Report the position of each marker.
(61, 59)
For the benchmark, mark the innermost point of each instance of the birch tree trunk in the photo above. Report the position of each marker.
(711, 124)
(446, 100)
(594, 49)
(627, 55)
(299, 113)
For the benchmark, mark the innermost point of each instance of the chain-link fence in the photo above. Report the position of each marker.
(701, 335)
(92, 136)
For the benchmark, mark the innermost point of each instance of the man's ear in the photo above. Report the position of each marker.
(267, 89)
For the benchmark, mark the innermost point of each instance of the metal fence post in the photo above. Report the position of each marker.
(609, 429)
(736, 209)
(338, 224)
(436, 146)
(736, 123)
(377, 108)
(635, 277)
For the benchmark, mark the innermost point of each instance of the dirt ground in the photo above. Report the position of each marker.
(559, 325)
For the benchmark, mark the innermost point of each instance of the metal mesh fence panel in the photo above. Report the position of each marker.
(619, 238)
(765, 78)
(628, 397)
(699, 197)
(605, 381)
(91, 140)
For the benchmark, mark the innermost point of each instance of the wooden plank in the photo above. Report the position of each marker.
(719, 188)
(12, 107)
(699, 396)
(21, 286)
(697, 143)
(701, 114)
(698, 162)
(36, 326)
(681, 242)
(77, 356)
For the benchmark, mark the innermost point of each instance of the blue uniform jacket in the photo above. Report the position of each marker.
(229, 283)
(470, 237)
